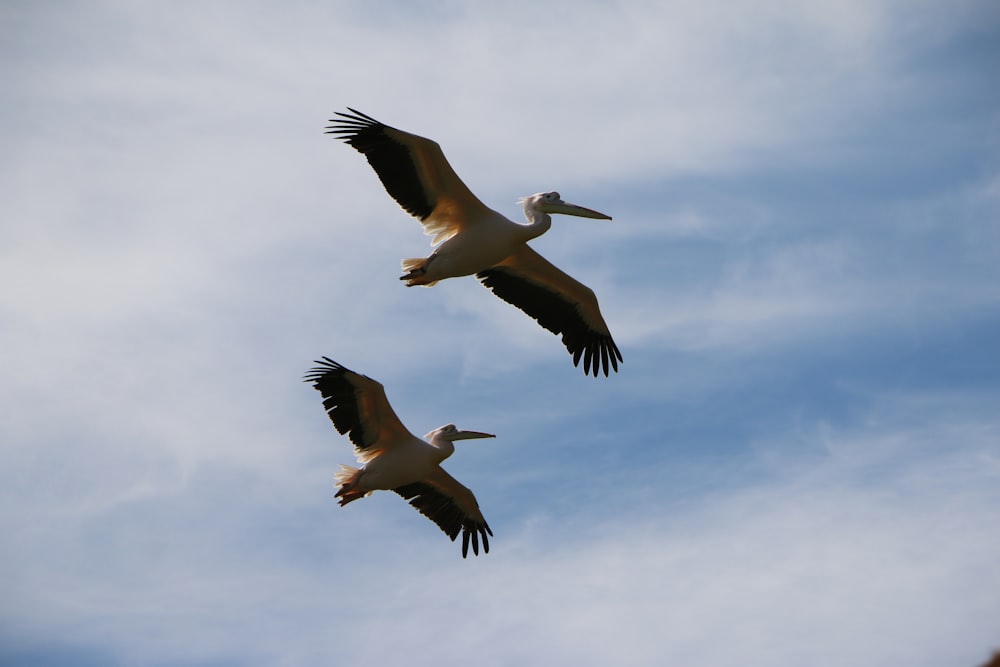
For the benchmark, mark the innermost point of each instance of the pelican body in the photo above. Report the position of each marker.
(393, 459)
(472, 239)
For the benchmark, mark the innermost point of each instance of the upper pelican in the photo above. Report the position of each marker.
(395, 459)
(477, 240)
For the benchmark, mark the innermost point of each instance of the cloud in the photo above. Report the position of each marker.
(795, 465)
(827, 546)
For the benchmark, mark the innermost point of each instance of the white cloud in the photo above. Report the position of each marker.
(180, 240)
(861, 554)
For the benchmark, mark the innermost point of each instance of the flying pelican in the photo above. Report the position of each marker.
(477, 240)
(395, 459)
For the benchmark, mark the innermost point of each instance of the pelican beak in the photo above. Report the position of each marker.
(471, 435)
(572, 209)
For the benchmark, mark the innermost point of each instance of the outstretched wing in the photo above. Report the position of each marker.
(453, 507)
(414, 172)
(357, 406)
(559, 303)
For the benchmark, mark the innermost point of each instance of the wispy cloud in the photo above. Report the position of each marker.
(797, 463)
(829, 546)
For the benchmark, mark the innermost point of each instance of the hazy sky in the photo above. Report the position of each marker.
(798, 464)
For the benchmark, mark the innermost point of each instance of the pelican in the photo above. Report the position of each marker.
(394, 459)
(477, 240)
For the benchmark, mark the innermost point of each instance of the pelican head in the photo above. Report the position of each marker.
(451, 433)
(551, 202)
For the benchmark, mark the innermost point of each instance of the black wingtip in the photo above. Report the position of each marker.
(323, 366)
(351, 123)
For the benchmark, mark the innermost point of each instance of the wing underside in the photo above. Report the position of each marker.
(414, 171)
(357, 406)
(559, 303)
(453, 507)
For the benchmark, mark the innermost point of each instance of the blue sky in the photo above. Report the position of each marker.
(799, 462)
